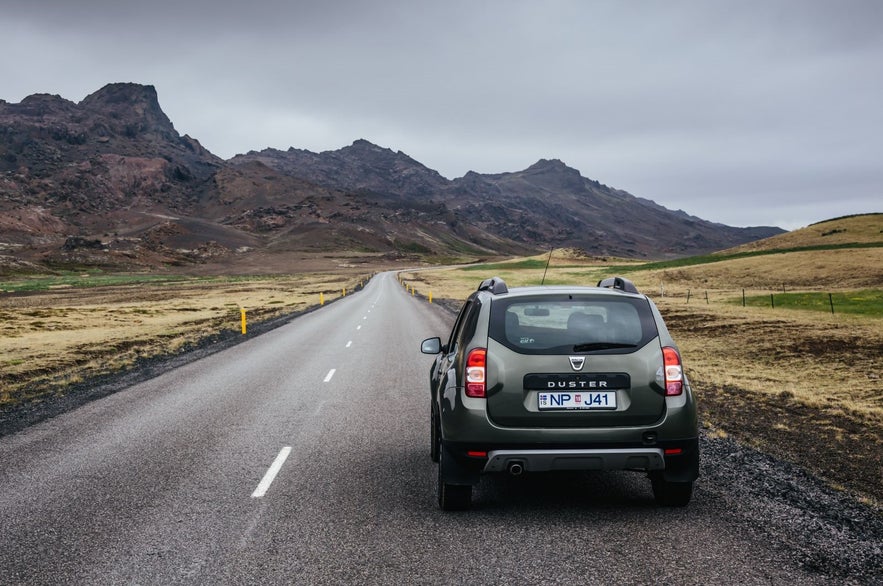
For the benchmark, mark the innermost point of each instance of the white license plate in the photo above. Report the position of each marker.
(576, 400)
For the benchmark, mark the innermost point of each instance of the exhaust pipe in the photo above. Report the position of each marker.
(516, 468)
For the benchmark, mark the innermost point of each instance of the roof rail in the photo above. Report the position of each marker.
(618, 283)
(495, 285)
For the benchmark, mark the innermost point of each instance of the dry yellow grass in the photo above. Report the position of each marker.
(819, 270)
(823, 361)
(55, 337)
(865, 228)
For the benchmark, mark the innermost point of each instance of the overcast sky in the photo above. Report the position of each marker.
(757, 112)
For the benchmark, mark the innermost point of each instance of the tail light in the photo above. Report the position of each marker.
(476, 363)
(673, 372)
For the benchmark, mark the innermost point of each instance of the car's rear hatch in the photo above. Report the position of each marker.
(589, 360)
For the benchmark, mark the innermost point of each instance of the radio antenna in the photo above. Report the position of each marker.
(548, 260)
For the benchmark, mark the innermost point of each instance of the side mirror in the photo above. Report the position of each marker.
(431, 346)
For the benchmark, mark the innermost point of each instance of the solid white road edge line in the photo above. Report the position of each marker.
(329, 375)
(270, 476)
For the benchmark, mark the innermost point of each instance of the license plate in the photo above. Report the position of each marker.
(576, 400)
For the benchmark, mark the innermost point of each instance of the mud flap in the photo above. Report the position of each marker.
(455, 472)
(684, 467)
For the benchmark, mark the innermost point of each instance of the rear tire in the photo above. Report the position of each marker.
(451, 497)
(671, 494)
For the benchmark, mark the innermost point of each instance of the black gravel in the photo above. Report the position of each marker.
(825, 531)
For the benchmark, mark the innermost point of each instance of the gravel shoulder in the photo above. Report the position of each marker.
(825, 531)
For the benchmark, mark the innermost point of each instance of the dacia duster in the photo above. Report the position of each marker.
(539, 379)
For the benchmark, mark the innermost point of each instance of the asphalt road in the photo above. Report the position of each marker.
(171, 482)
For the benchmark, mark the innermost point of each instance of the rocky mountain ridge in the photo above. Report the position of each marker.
(547, 204)
(112, 169)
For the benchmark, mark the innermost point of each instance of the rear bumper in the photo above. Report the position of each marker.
(673, 460)
(551, 460)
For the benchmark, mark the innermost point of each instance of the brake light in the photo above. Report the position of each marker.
(674, 373)
(476, 363)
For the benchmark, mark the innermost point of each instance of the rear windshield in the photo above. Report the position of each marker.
(572, 324)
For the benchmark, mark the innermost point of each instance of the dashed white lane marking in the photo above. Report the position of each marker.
(270, 476)
(359, 327)
(329, 375)
(350, 343)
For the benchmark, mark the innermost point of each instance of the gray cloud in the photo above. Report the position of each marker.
(746, 113)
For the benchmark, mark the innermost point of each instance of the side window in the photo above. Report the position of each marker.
(470, 320)
(464, 327)
(458, 325)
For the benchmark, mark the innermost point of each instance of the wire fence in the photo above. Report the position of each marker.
(868, 301)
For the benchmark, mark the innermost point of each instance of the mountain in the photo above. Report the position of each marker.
(551, 203)
(547, 204)
(109, 181)
(360, 167)
(111, 165)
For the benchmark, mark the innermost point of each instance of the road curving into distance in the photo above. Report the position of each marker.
(301, 457)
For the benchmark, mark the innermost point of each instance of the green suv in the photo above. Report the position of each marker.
(538, 379)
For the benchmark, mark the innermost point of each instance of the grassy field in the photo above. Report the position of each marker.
(794, 380)
(866, 302)
(58, 330)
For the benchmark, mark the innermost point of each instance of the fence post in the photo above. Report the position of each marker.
(743, 297)
(688, 296)
(831, 301)
(772, 301)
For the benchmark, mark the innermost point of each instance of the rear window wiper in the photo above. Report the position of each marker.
(601, 346)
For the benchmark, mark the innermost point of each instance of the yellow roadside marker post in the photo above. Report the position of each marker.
(242, 313)
(321, 298)
(430, 296)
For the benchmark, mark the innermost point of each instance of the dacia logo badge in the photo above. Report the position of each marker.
(577, 362)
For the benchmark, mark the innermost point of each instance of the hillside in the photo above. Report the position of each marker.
(859, 229)
(840, 253)
(109, 182)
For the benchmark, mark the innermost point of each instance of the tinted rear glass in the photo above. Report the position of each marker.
(567, 324)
